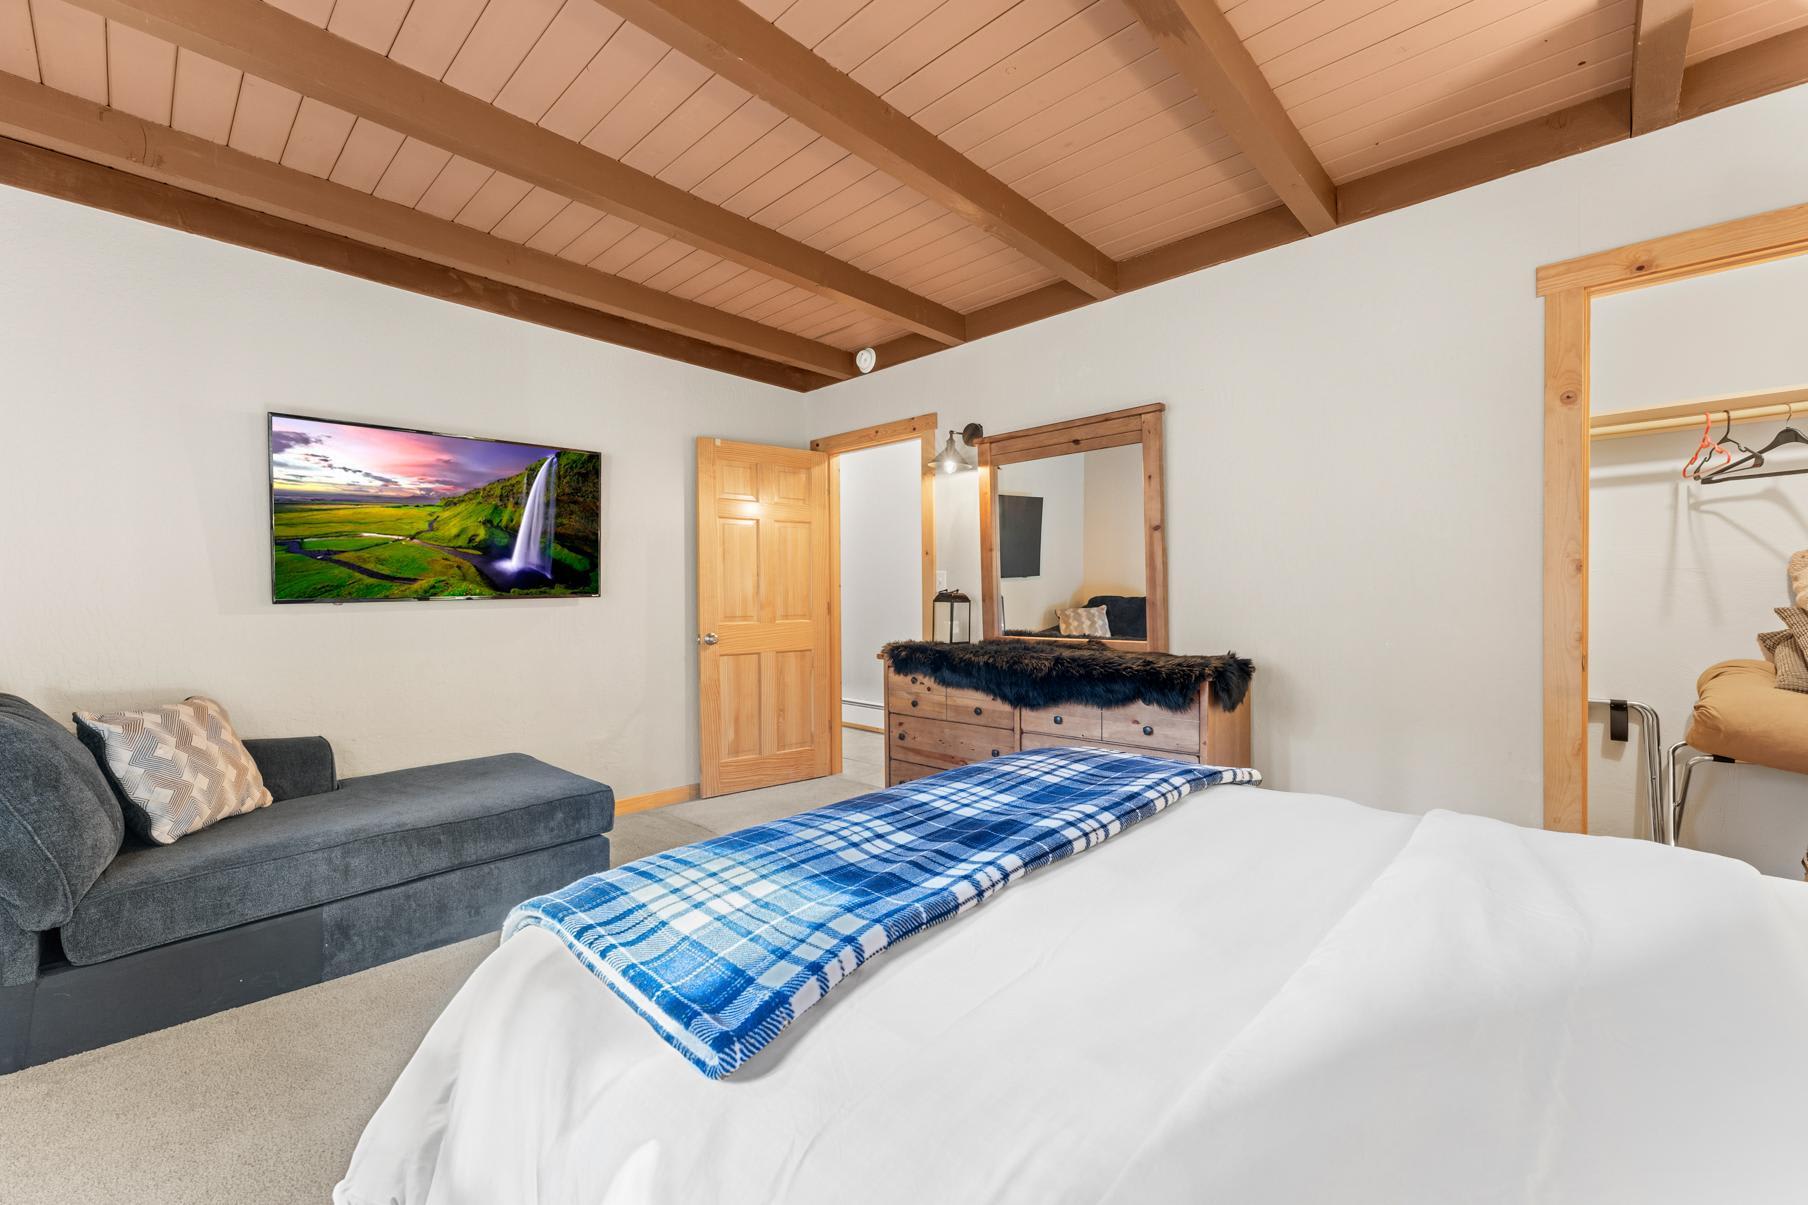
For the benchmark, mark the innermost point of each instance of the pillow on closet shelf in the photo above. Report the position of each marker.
(1084, 621)
(1798, 578)
(1796, 620)
(1782, 651)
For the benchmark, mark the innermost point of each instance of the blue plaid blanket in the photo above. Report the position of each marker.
(719, 945)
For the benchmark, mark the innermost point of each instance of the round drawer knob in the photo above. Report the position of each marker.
(1057, 719)
(994, 753)
(1148, 731)
(900, 736)
(979, 711)
(913, 702)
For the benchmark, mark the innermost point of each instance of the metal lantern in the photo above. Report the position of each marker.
(953, 618)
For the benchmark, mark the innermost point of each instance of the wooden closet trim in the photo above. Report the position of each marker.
(1116, 429)
(1569, 289)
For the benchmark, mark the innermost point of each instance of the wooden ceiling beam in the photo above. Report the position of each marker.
(40, 115)
(1660, 40)
(53, 174)
(1746, 73)
(1581, 127)
(1739, 75)
(1200, 42)
(1258, 232)
(743, 47)
(266, 42)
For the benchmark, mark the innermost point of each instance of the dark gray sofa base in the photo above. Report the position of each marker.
(69, 1009)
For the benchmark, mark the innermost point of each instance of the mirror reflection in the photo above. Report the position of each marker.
(1070, 546)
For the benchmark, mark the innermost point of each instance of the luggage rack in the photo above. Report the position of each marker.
(1680, 779)
(1665, 823)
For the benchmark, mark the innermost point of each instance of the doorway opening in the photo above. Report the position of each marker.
(882, 499)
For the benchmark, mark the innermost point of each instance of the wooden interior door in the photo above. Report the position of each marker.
(766, 615)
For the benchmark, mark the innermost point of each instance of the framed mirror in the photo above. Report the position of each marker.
(1071, 543)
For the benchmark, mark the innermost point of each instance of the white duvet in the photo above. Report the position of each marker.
(1253, 997)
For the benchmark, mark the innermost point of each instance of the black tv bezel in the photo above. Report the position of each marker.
(270, 417)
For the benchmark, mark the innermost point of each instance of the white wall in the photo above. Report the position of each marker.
(1030, 602)
(1683, 575)
(139, 363)
(957, 536)
(881, 574)
(1354, 450)
(1114, 522)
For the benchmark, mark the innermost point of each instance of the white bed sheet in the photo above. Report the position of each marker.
(1255, 996)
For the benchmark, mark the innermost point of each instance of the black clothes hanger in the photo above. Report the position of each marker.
(1755, 460)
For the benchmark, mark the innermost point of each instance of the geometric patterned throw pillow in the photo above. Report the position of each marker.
(177, 769)
(1084, 621)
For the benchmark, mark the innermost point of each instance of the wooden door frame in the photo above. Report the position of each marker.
(923, 428)
(1569, 289)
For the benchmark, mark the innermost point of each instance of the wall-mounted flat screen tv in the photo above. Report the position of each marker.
(365, 513)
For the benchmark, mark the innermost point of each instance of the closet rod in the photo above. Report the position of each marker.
(1747, 407)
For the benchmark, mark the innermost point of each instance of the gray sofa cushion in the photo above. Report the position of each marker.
(294, 766)
(372, 832)
(59, 824)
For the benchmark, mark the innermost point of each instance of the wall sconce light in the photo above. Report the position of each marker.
(951, 459)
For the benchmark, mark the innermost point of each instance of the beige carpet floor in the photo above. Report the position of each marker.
(262, 1105)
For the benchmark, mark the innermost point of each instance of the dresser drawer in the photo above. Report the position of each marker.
(1079, 723)
(1144, 727)
(972, 707)
(909, 771)
(912, 684)
(929, 707)
(945, 743)
(1035, 740)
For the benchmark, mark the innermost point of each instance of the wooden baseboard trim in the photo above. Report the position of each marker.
(862, 727)
(657, 799)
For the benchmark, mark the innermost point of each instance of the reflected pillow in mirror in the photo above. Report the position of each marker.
(1084, 621)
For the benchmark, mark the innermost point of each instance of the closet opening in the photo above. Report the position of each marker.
(1676, 498)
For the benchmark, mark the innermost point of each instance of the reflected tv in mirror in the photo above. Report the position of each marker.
(1019, 536)
(367, 513)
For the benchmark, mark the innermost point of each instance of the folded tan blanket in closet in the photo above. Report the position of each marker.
(1740, 714)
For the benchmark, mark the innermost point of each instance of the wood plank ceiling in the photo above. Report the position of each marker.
(792, 180)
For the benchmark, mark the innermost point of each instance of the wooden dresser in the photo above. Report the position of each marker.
(929, 728)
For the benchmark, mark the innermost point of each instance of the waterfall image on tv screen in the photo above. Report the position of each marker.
(361, 512)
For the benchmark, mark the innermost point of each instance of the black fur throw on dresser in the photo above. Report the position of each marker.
(1044, 673)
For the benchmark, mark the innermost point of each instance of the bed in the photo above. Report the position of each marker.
(1254, 996)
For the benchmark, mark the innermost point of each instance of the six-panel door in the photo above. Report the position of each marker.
(765, 606)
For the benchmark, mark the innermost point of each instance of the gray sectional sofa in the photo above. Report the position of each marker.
(332, 878)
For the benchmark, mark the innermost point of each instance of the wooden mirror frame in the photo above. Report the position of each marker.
(1120, 428)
